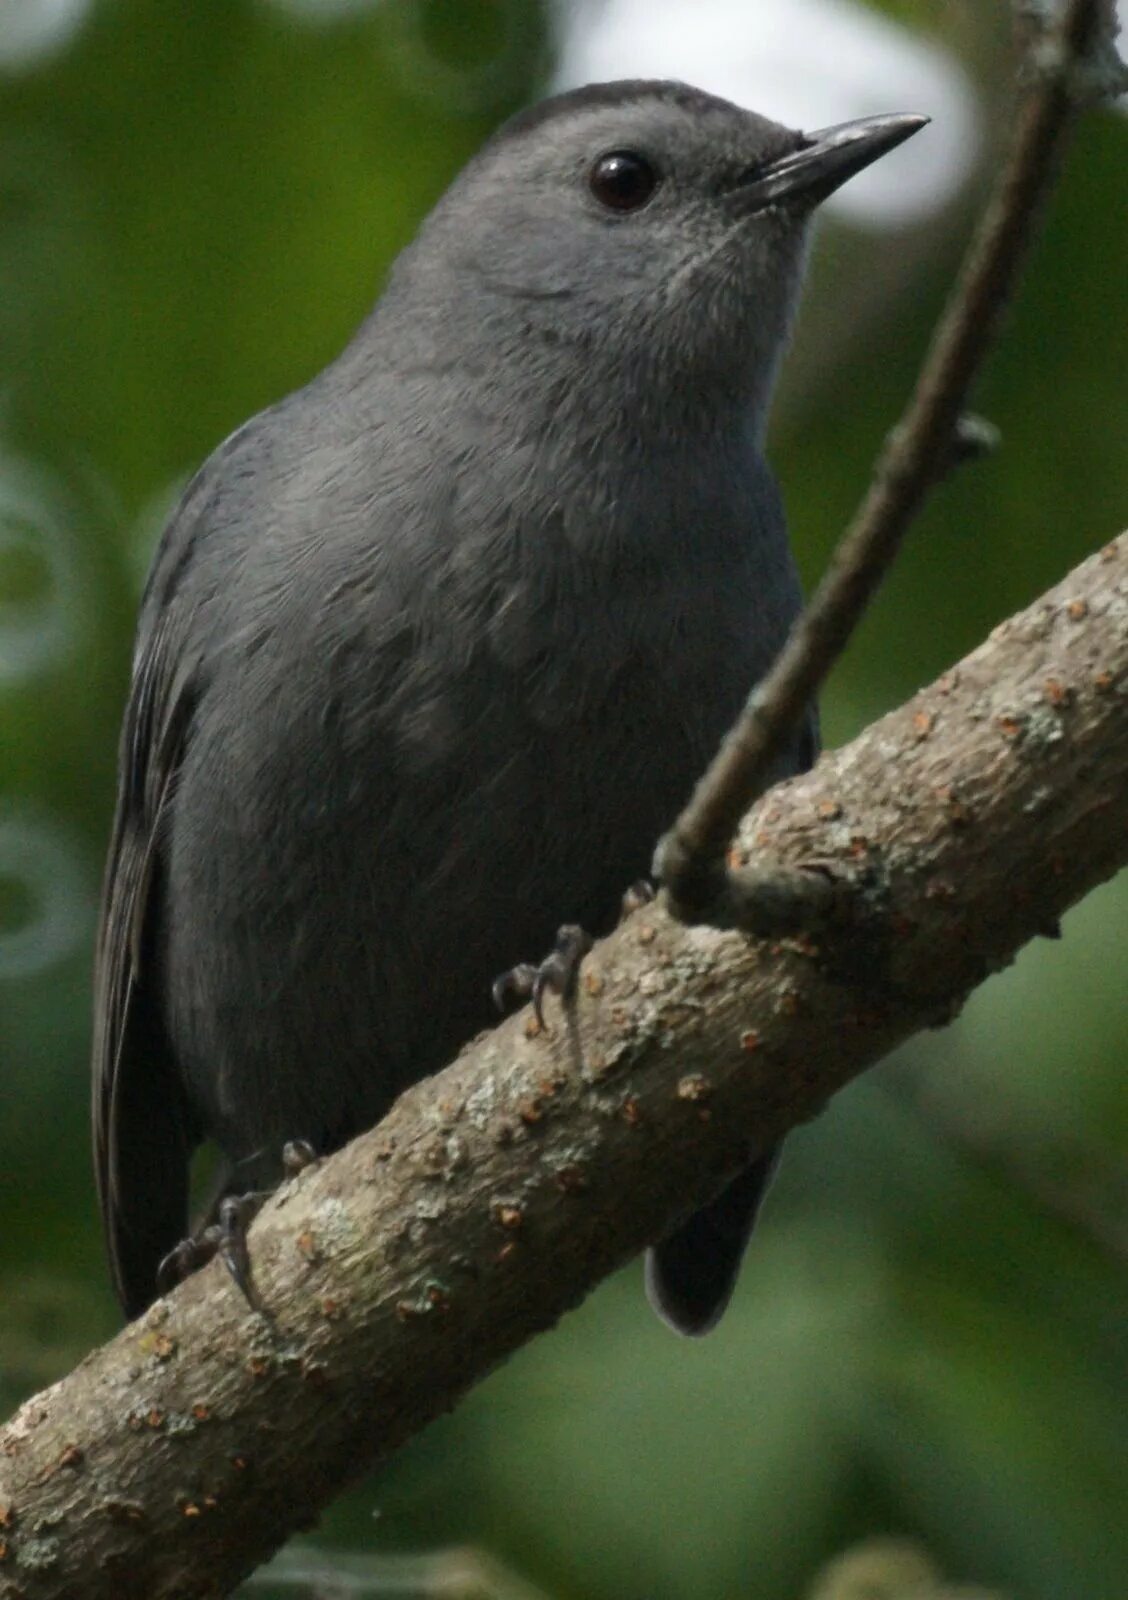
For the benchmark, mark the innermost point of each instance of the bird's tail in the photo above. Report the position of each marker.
(690, 1276)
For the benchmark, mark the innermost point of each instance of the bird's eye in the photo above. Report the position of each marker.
(622, 180)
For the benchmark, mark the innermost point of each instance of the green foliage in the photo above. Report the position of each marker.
(197, 203)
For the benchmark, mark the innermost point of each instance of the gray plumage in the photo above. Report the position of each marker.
(433, 650)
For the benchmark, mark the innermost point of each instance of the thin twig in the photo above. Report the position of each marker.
(690, 861)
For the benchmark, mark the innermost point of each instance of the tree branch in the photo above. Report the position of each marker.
(690, 861)
(496, 1194)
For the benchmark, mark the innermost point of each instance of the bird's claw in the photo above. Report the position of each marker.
(236, 1213)
(297, 1155)
(642, 892)
(558, 972)
(186, 1258)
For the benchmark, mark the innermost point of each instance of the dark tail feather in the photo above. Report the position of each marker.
(148, 1210)
(690, 1276)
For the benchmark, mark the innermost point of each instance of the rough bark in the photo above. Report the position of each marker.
(495, 1195)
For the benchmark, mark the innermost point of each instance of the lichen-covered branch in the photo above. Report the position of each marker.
(495, 1195)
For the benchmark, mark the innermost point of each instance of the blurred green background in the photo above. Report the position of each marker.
(197, 203)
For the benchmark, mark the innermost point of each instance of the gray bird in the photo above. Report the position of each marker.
(433, 650)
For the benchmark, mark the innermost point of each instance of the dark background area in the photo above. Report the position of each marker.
(197, 204)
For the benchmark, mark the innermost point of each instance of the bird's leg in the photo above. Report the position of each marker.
(558, 972)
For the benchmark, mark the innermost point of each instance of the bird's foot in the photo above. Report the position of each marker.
(558, 972)
(226, 1237)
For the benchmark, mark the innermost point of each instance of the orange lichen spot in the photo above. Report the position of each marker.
(154, 1417)
(1009, 726)
(829, 810)
(571, 1180)
(631, 1111)
(530, 1111)
(1102, 681)
(405, 1311)
(946, 683)
(750, 1040)
(1056, 693)
(239, 1463)
(593, 983)
(438, 1297)
(258, 1366)
(189, 1509)
(788, 1003)
(163, 1346)
(7, 1517)
(508, 1249)
(646, 933)
(695, 1088)
(307, 1245)
(508, 1215)
(923, 724)
(532, 1027)
(1077, 610)
(3, 1549)
(385, 1150)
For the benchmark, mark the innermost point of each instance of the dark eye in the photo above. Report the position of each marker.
(622, 180)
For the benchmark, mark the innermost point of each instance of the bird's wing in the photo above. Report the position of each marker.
(142, 1133)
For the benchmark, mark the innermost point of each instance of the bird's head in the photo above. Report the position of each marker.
(654, 228)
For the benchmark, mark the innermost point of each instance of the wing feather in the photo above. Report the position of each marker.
(141, 1122)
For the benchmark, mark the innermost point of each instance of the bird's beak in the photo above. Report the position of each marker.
(825, 160)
